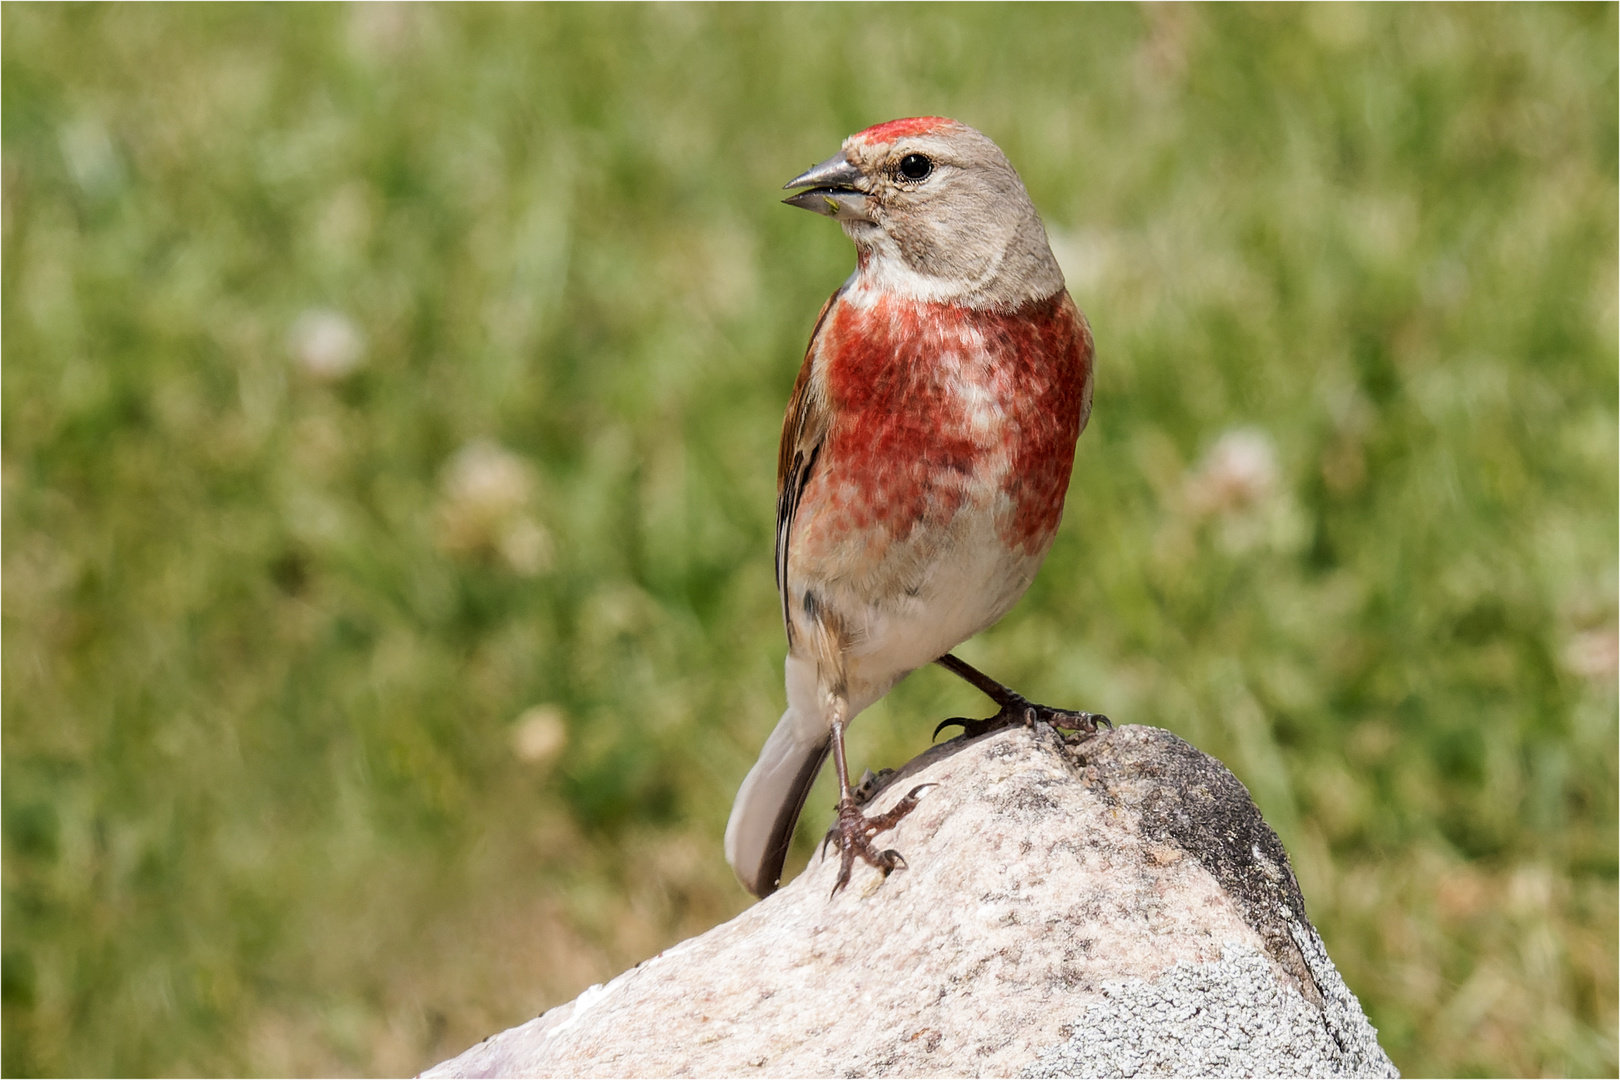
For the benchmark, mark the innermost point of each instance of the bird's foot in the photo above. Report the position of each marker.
(1018, 712)
(853, 832)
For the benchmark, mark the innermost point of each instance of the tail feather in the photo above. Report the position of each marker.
(770, 800)
(773, 794)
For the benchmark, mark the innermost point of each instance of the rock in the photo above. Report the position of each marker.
(1110, 905)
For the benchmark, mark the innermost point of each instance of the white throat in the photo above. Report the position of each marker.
(1007, 275)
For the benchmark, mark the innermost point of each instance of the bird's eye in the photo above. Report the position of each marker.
(915, 167)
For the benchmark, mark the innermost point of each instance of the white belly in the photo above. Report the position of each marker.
(961, 584)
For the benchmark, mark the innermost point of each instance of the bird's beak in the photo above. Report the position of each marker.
(832, 190)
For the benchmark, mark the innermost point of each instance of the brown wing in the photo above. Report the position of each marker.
(803, 428)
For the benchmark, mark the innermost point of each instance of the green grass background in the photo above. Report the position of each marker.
(264, 661)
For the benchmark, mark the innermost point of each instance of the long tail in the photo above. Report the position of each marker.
(773, 794)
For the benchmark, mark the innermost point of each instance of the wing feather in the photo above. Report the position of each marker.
(803, 428)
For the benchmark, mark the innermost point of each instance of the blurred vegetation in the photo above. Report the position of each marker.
(389, 419)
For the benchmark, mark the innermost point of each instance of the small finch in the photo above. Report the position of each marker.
(924, 460)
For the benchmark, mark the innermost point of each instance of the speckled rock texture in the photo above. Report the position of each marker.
(1110, 905)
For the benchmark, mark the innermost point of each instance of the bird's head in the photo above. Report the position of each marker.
(936, 213)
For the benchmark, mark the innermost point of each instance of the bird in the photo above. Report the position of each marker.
(924, 461)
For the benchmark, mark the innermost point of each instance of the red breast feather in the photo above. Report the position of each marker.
(928, 401)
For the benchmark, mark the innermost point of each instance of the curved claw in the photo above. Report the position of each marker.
(853, 832)
(1087, 722)
(955, 721)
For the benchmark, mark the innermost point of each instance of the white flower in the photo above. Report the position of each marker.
(540, 734)
(1239, 483)
(327, 344)
(1238, 473)
(1594, 654)
(488, 491)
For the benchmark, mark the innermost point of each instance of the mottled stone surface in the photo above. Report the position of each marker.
(1091, 907)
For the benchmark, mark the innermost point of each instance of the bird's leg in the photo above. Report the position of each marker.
(853, 831)
(1014, 707)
